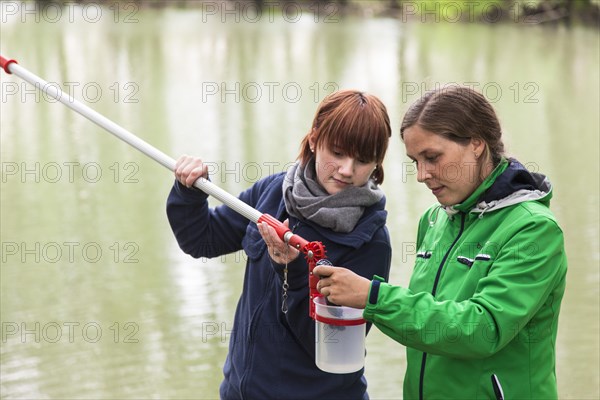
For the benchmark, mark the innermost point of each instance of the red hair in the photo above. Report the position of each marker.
(355, 123)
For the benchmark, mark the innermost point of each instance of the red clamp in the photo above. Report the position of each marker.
(318, 253)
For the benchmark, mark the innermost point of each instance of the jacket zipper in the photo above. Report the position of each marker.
(433, 291)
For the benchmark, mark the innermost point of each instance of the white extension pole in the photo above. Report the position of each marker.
(12, 67)
(314, 251)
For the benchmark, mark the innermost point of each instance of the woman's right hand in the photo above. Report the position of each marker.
(341, 286)
(280, 252)
(188, 169)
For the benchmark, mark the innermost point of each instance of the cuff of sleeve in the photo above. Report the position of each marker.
(189, 193)
(373, 297)
(374, 290)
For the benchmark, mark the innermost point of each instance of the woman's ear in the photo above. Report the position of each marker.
(478, 147)
(312, 140)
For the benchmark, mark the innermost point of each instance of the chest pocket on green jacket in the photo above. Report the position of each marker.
(470, 261)
(423, 263)
(423, 258)
(461, 274)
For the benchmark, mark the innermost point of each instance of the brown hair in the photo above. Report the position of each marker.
(459, 114)
(355, 122)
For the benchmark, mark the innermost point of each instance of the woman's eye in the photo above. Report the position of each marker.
(431, 158)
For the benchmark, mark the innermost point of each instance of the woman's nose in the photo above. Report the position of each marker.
(346, 166)
(422, 173)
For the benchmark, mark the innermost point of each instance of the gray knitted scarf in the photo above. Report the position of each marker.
(305, 198)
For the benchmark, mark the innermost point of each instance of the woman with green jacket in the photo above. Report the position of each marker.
(480, 315)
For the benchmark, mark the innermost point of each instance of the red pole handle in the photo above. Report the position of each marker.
(314, 252)
(294, 240)
(5, 64)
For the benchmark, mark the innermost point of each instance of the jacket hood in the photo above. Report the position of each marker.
(515, 185)
(509, 184)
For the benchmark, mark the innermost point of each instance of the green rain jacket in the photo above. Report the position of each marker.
(484, 296)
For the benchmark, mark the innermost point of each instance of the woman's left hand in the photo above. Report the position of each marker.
(280, 252)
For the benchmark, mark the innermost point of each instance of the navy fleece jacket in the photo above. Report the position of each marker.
(272, 354)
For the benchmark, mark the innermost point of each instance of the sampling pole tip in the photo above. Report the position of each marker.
(5, 64)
